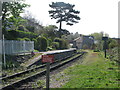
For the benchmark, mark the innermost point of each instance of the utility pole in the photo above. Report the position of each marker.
(0, 42)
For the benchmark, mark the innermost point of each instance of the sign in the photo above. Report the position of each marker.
(47, 58)
(105, 45)
(104, 38)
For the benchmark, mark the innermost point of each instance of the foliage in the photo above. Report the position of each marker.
(30, 28)
(10, 63)
(13, 23)
(55, 45)
(32, 24)
(49, 41)
(41, 43)
(98, 40)
(35, 43)
(113, 54)
(70, 37)
(26, 39)
(51, 31)
(11, 14)
(12, 34)
(62, 43)
(64, 12)
(112, 43)
(85, 46)
(20, 39)
(49, 48)
(22, 28)
(23, 39)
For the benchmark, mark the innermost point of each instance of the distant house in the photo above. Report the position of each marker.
(83, 42)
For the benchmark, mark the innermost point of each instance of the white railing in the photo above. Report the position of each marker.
(16, 47)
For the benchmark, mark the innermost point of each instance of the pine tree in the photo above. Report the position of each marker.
(64, 12)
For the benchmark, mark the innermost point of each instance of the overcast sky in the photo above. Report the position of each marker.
(96, 15)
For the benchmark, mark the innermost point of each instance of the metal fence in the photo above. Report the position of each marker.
(16, 47)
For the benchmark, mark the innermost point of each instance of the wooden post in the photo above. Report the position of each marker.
(105, 44)
(47, 75)
(105, 48)
(4, 52)
(0, 20)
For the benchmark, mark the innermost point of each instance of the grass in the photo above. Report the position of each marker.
(94, 72)
(29, 61)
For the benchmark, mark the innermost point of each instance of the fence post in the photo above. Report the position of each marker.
(24, 47)
(4, 51)
(12, 47)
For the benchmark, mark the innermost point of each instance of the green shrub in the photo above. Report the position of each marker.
(62, 43)
(49, 48)
(35, 43)
(23, 39)
(30, 28)
(12, 34)
(20, 39)
(49, 42)
(41, 43)
(85, 46)
(22, 28)
(112, 44)
(55, 45)
(26, 39)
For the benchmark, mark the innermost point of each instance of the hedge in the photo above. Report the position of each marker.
(13, 34)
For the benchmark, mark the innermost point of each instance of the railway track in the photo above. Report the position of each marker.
(29, 70)
(16, 80)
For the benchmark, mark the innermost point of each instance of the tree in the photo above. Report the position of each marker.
(32, 24)
(12, 10)
(64, 12)
(98, 39)
(51, 31)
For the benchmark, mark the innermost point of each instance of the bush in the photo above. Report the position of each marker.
(20, 39)
(26, 39)
(96, 50)
(112, 44)
(49, 48)
(35, 43)
(55, 45)
(49, 42)
(22, 28)
(12, 34)
(30, 28)
(23, 39)
(62, 43)
(41, 43)
(85, 46)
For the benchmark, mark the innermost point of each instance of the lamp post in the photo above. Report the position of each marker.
(105, 44)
